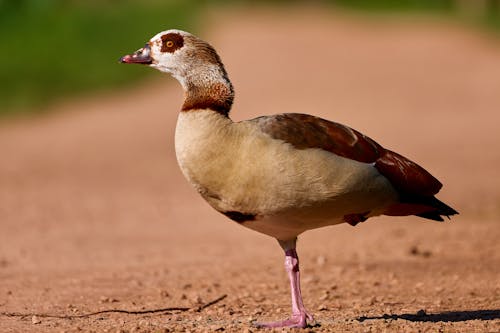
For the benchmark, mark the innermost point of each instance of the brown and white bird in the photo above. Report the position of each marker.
(283, 174)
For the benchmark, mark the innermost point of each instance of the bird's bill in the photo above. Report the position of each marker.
(141, 56)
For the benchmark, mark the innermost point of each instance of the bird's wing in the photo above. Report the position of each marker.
(305, 131)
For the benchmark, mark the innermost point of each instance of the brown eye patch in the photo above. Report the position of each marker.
(171, 42)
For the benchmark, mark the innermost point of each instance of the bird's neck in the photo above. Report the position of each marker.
(207, 88)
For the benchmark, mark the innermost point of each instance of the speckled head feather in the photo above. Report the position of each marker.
(194, 63)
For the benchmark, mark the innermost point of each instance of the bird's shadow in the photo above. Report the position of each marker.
(450, 316)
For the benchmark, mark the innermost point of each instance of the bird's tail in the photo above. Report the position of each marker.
(427, 207)
(440, 209)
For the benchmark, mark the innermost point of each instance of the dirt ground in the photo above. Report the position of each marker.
(95, 214)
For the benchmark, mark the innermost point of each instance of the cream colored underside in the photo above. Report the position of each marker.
(236, 167)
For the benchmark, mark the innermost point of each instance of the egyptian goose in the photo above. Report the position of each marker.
(283, 174)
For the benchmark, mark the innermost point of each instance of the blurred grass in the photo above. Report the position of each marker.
(56, 48)
(440, 6)
(479, 13)
(53, 48)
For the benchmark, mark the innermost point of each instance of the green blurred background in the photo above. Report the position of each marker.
(58, 48)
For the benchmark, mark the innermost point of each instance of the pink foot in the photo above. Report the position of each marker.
(300, 317)
(298, 320)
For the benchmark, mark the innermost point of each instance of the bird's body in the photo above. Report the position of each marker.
(267, 184)
(284, 174)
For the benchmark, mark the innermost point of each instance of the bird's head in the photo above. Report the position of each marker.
(178, 53)
(194, 63)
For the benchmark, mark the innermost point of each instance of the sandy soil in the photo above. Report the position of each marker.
(95, 214)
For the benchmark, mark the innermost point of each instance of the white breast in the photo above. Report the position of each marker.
(236, 167)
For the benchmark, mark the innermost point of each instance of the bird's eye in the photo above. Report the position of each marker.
(171, 42)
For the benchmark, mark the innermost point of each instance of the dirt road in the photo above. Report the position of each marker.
(95, 214)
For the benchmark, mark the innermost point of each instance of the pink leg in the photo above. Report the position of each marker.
(300, 316)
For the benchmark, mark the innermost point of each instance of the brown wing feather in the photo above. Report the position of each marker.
(304, 131)
(415, 185)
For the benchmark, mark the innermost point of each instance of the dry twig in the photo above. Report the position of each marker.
(131, 312)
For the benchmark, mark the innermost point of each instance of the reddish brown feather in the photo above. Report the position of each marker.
(407, 176)
(303, 131)
(354, 219)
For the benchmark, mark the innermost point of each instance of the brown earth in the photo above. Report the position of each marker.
(95, 215)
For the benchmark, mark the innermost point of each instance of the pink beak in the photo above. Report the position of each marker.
(141, 56)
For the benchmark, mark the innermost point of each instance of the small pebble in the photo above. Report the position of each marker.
(216, 328)
(421, 313)
(35, 320)
(322, 307)
(321, 261)
(325, 296)
(104, 299)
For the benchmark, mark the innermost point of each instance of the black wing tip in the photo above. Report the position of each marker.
(438, 211)
(438, 215)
